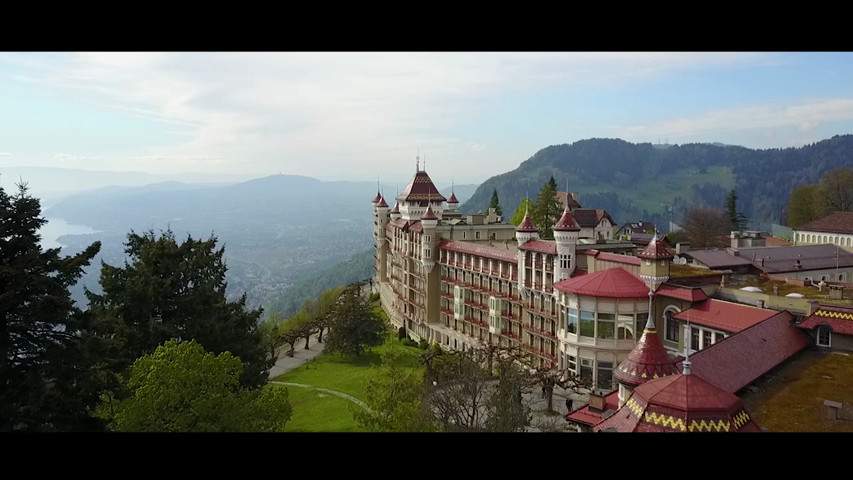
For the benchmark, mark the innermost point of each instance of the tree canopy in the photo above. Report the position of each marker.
(353, 325)
(706, 227)
(44, 375)
(169, 290)
(523, 208)
(183, 388)
(736, 218)
(495, 202)
(547, 210)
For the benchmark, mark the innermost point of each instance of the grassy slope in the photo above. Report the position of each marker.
(318, 411)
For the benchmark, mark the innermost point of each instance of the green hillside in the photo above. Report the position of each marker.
(645, 181)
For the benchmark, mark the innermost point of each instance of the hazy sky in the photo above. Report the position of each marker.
(365, 115)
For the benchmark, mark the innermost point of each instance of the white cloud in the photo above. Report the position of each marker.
(804, 116)
(310, 112)
(5, 154)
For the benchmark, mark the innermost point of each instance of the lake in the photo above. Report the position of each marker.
(56, 227)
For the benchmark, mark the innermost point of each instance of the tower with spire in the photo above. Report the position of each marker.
(566, 237)
(380, 220)
(655, 258)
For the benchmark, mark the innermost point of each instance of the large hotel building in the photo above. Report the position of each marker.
(468, 280)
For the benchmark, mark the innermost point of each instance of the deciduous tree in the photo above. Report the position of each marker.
(806, 203)
(837, 186)
(183, 388)
(706, 227)
(524, 207)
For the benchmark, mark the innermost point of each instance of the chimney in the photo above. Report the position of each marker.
(596, 402)
(682, 247)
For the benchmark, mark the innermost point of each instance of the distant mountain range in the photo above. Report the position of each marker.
(644, 181)
(278, 230)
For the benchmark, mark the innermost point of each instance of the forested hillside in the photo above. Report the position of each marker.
(645, 181)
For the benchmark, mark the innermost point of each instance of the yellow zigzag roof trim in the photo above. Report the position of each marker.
(843, 316)
(665, 421)
(709, 425)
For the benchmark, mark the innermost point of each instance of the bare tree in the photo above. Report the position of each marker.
(706, 227)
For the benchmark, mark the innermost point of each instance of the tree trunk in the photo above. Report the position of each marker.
(549, 394)
(307, 337)
(320, 336)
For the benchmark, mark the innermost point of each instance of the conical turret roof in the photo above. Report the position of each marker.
(429, 215)
(656, 249)
(566, 223)
(377, 197)
(382, 203)
(647, 361)
(452, 198)
(526, 225)
(680, 403)
(396, 208)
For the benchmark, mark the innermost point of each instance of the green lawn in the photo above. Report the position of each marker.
(318, 411)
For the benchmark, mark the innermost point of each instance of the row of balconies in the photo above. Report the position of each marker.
(540, 331)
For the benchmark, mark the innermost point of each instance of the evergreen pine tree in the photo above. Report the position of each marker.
(44, 380)
(495, 203)
(170, 290)
(547, 210)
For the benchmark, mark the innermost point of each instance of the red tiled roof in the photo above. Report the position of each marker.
(838, 222)
(589, 417)
(482, 250)
(398, 223)
(416, 226)
(772, 241)
(420, 188)
(542, 246)
(452, 198)
(590, 217)
(429, 214)
(610, 283)
(726, 316)
(563, 197)
(648, 360)
(680, 403)
(682, 293)
(377, 197)
(396, 208)
(382, 202)
(566, 223)
(839, 319)
(614, 257)
(736, 361)
(526, 225)
(656, 250)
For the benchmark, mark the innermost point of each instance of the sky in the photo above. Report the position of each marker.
(466, 116)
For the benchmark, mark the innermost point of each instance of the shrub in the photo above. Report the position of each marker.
(408, 342)
(423, 344)
(374, 296)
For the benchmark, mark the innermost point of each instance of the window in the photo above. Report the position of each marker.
(606, 325)
(694, 338)
(477, 235)
(572, 364)
(824, 336)
(706, 338)
(671, 327)
(605, 375)
(463, 235)
(587, 327)
(625, 327)
(642, 319)
(572, 322)
(564, 261)
(586, 369)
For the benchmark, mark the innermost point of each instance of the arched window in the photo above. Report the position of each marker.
(824, 336)
(670, 324)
